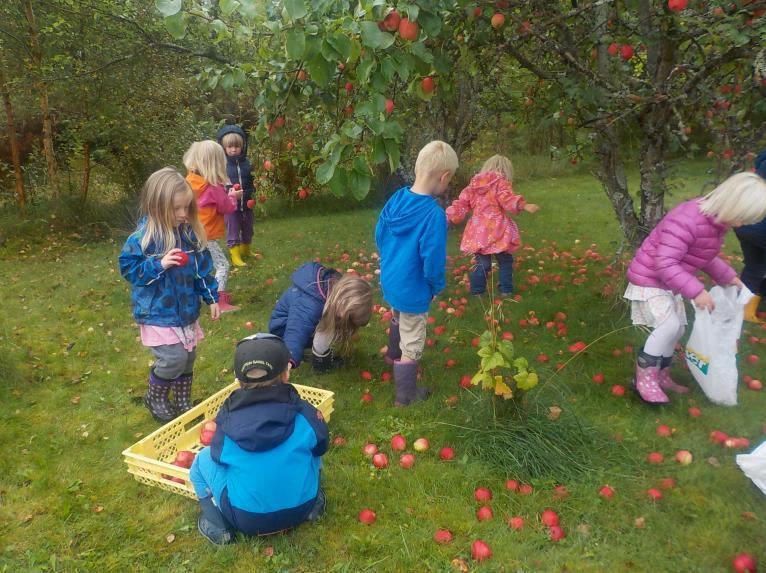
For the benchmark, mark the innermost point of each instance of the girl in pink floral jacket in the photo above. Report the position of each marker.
(664, 272)
(490, 231)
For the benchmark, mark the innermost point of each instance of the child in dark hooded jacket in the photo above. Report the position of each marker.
(239, 224)
(261, 472)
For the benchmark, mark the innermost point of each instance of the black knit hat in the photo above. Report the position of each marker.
(262, 351)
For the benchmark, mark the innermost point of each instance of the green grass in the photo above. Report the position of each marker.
(66, 333)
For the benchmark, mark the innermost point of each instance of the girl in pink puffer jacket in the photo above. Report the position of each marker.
(663, 272)
(490, 231)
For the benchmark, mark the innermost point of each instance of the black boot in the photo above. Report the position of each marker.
(406, 378)
(182, 390)
(212, 524)
(319, 506)
(156, 399)
(394, 351)
(325, 362)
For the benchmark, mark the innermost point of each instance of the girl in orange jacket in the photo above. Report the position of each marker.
(205, 162)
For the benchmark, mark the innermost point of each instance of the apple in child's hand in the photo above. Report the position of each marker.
(237, 187)
(185, 458)
(183, 258)
(421, 445)
(367, 516)
(744, 563)
(210, 426)
(206, 437)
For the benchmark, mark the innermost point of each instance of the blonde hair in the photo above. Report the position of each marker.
(741, 199)
(348, 307)
(500, 164)
(157, 197)
(232, 140)
(436, 156)
(209, 160)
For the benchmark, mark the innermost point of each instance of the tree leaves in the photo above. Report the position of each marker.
(296, 9)
(168, 7)
(373, 37)
(295, 44)
(176, 25)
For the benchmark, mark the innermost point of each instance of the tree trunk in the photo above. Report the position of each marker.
(651, 165)
(21, 197)
(611, 173)
(42, 88)
(85, 172)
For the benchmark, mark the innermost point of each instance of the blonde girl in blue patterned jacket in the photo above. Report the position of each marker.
(167, 262)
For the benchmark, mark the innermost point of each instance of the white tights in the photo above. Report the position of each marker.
(662, 340)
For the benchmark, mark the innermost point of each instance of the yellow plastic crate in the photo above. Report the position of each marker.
(150, 459)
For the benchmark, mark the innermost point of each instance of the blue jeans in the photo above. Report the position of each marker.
(483, 267)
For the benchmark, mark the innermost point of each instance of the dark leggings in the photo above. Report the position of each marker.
(752, 239)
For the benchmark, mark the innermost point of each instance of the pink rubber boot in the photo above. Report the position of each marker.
(224, 302)
(646, 382)
(664, 379)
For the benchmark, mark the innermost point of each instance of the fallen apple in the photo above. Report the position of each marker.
(406, 461)
(442, 536)
(380, 461)
(480, 550)
(398, 443)
(420, 445)
(446, 454)
(549, 518)
(484, 513)
(516, 522)
(482, 494)
(367, 516)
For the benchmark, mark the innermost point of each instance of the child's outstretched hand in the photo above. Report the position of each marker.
(737, 283)
(215, 311)
(173, 258)
(531, 208)
(704, 300)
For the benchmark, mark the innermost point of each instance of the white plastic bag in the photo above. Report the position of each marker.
(711, 352)
(754, 466)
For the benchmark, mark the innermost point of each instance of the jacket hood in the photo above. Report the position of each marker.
(196, 182)
(271, 422)
(314, 279)
(760, 164)
(481, 183)
(226, 129)
(406, 210)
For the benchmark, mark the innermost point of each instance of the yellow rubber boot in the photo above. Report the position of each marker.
(236, 259)
(244, 250)
(751, 310)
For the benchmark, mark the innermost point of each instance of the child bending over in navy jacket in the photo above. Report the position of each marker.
(260, 474)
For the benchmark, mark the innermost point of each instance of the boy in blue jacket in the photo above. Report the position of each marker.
(261, 472)
(239, 224)
(411, 235)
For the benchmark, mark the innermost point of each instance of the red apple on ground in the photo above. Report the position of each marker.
(655, 458)
(512, 484)
(367, 397)
(484, 513)
(655, 494)
(526, 489)
(618, 390)
(442, 536)
(667, 483)
(516, 522)
(380, 461)
(556, 533)
(606, 492)
(744, 563)
(694, 412)
(367, 516)
(398, 443)
(482, 494)
(420, 445)
(598, 378)
(664, 431)
(370, 450)
(480, 550)
(406, 461)
(446, 454)
(684, 457)
(549, 518)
